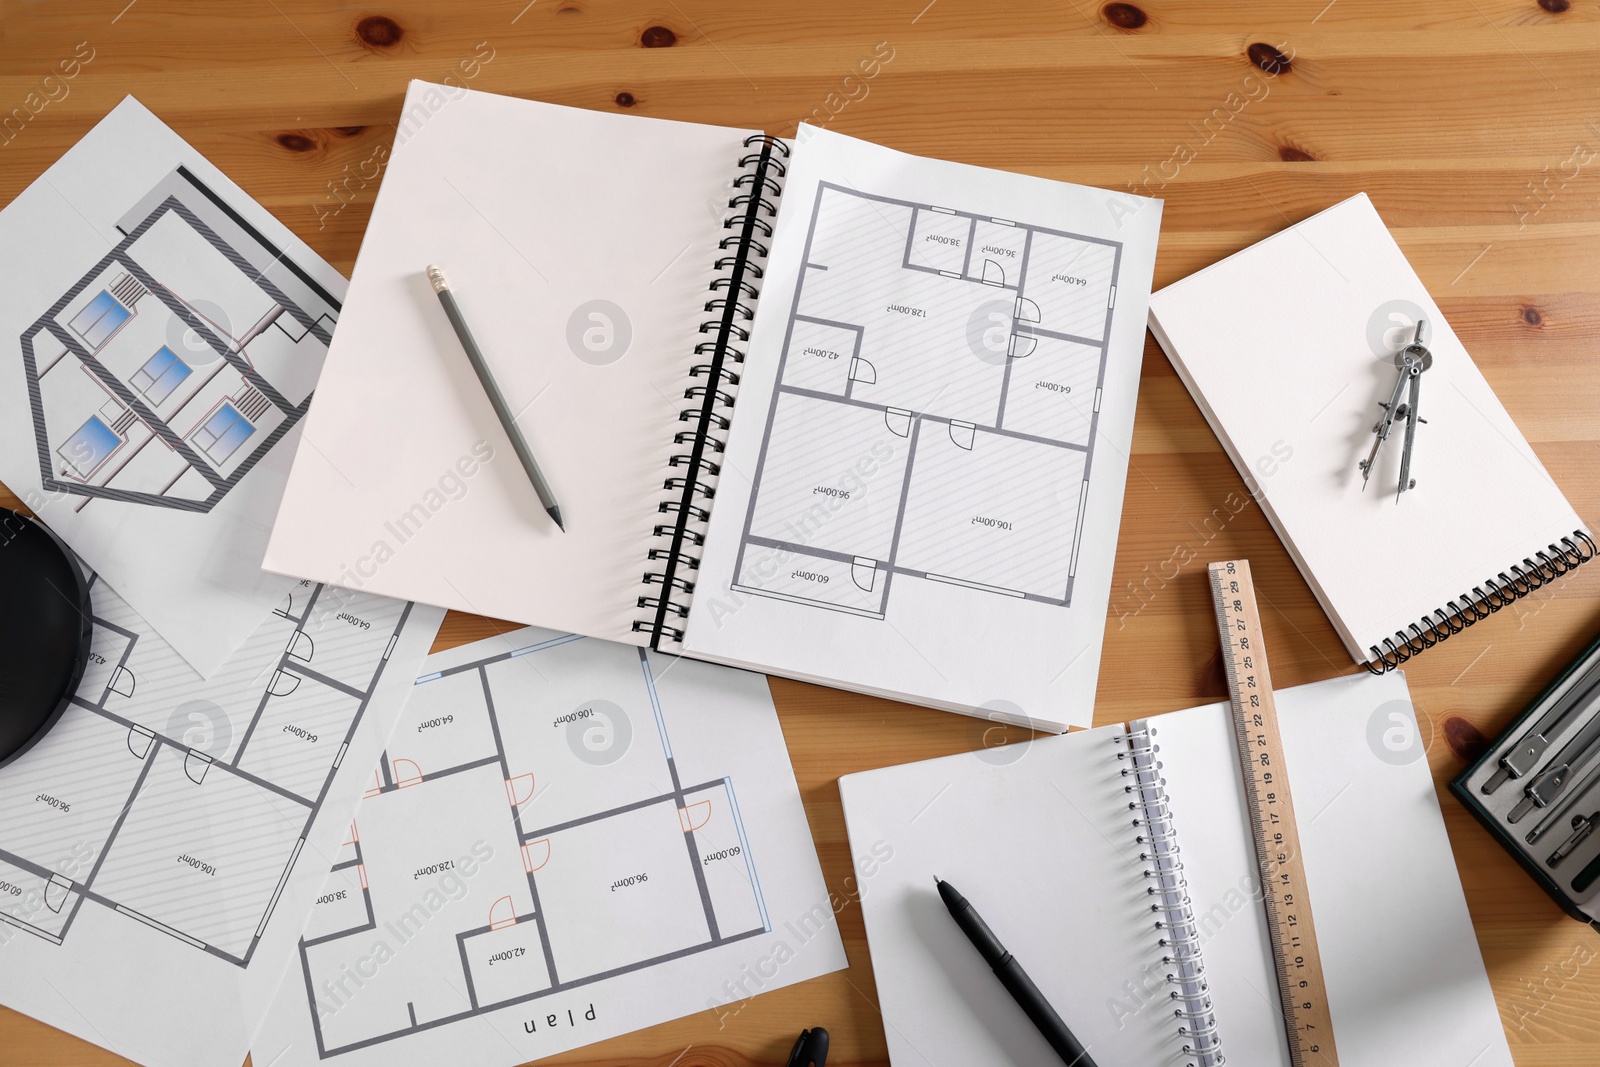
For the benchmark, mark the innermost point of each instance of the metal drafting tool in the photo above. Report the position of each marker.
(1412, 361)
(1557, 815)
(1548, 785)
(1531, 747)
(1582, 827)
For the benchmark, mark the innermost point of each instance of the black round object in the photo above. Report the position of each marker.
(45, 631)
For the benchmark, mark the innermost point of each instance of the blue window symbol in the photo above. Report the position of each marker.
(160, 375)
(221, 435)
(89, 446)
(99, 320)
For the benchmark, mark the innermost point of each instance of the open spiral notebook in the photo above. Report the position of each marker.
(812, 407)
(1044, 840)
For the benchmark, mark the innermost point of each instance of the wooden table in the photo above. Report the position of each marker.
(1474, 126)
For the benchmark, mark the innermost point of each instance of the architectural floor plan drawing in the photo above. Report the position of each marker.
(556, 845)
(936, 406)
(191, 809)
(165, 372)
(920, 491)
(160, 338)
(165, 816)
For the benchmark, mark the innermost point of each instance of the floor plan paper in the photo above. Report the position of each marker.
(922, 489)
(566, 839)
(164, 336)
(161, 846)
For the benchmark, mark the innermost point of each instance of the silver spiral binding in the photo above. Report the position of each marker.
(1506, 588)
(691, 481)
(1178, 934)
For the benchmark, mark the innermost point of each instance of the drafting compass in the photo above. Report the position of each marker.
(1412, 360)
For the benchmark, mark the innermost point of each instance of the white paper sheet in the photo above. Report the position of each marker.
(566, 839)
(164, 334)
(1044, 849)
(923, 485)
(1038, 836)
(1406, 982)
(160, 847)
(1288, 348)
(579, 246)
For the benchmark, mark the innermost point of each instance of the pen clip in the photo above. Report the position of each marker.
(810, 1048)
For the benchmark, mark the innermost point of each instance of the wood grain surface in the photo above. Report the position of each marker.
(1475, 128)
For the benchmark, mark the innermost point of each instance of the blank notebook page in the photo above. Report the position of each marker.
(536, 213)
(1406, 983)
(1275, 344)
(1038, 836)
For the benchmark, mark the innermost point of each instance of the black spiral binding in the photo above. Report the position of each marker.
(1484, 600)
(1175, 921)
(713, 386)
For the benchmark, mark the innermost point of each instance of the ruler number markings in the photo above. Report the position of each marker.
(1296, 957)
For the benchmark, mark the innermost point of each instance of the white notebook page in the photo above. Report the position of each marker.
(535, 212)
(1043, 848)
(1406, 982)
(1275, 343)
(923, 484)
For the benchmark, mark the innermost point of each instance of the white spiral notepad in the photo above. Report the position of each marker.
(1289, 348)
(1045, 841)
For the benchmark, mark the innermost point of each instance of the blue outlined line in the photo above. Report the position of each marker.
(565, 639)
(655, 703)
(749, 861)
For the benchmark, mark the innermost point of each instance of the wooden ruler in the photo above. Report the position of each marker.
(1301, 990)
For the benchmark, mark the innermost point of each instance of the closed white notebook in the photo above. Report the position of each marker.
(1040, 838)
(1288, 348)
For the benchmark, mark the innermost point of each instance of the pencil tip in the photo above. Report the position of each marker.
(555, 515)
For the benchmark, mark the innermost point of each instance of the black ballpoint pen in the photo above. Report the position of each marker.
(1014, 978)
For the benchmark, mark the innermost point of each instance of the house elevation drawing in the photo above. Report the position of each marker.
(178, 360)
(183, 804)
(528, 833)
(936, 408)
